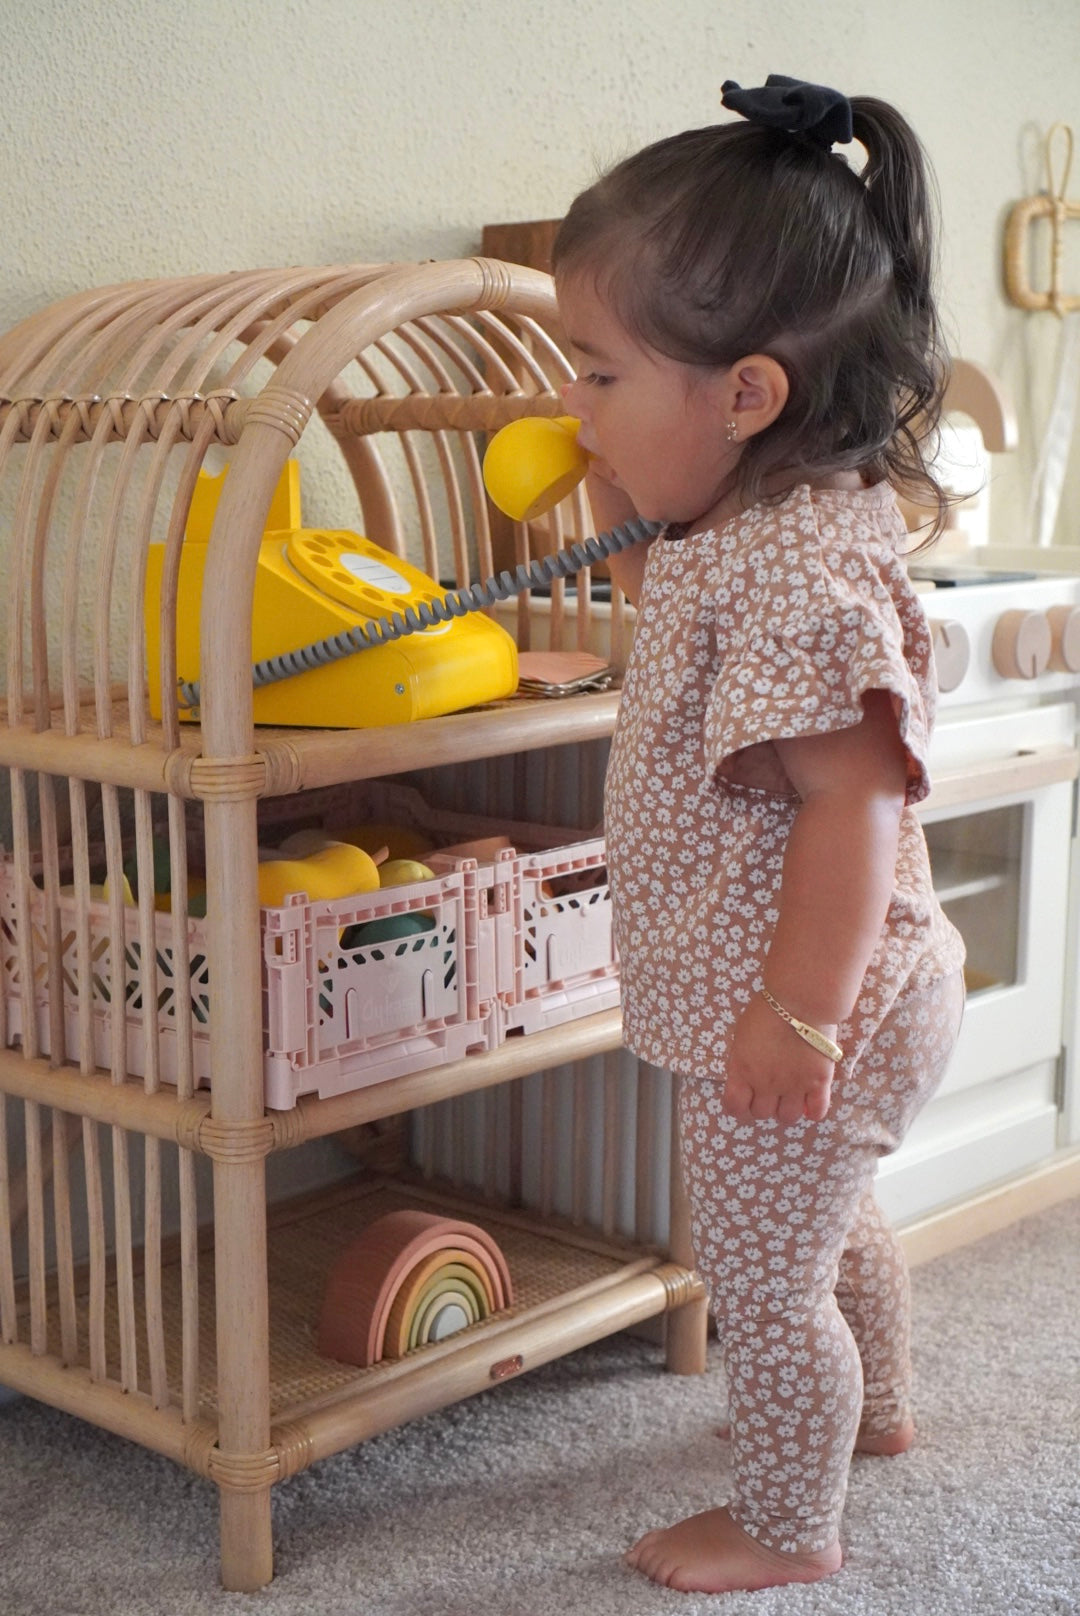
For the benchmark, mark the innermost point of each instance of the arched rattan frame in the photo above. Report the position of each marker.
(110, 402)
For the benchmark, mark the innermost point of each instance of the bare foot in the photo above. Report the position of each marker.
(887, 1445)
(709, 1554)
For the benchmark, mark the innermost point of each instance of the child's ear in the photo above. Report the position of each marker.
(759, 391)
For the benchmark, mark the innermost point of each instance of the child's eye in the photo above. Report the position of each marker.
(594, 378)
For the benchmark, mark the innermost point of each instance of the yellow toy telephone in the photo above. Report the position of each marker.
(346, 595)
(313, 586)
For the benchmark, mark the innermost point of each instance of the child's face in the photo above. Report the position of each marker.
(659, 424)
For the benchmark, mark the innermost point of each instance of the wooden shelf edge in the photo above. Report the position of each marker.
(304, 759)
(164, 1115)
(491, 1354)
(327, 757)
(161, 1113)
(312, 1118)
(72, 1389)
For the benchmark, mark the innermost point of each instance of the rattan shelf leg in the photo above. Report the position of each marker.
(247, 1555)
(687, 1326)
(238, 1142)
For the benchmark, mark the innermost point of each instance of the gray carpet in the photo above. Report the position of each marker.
(519, 1502)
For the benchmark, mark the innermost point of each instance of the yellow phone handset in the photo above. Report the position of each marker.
(311, 585)
(533, 463)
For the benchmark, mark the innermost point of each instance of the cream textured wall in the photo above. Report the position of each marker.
(142, 138)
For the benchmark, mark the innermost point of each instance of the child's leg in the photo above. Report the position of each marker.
(874, 1294)
(773, 1208)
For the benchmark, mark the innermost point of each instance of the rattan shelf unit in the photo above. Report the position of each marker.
(135, 1291)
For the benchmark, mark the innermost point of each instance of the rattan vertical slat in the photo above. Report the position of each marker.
(95, 1222)
(20, 829)
(125, 1268)
(50, 861)
(8, 1322)
(189, 1288)
(35, 1225)
(548, 1139)
(612, 1116)
(80, 849)
(644, 1155)
(65, 1135)
(155, 1315)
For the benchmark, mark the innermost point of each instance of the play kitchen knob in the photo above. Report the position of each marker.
(1022, 644)
(1065, 639)
(952, 651)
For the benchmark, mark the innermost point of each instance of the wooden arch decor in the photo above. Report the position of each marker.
(410, 1279)
(1052, 205)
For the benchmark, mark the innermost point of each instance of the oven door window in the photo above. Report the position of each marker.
(977, 862)
(1001, 871)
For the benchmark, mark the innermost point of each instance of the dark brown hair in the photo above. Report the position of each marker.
(737, 239)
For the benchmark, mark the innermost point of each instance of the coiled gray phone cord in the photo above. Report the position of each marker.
(380, 630)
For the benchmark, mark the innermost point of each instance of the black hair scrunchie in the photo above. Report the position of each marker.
(813, 110)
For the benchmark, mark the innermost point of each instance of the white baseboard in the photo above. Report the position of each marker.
(992, 1210)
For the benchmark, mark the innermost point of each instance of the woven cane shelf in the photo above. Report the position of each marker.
(145, 1283)
(553, 1267)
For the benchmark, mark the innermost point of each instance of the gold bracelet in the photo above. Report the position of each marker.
(810, 1035)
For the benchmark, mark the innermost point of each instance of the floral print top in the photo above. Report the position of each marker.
(771, 625)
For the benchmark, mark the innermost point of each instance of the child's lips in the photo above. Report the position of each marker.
(602, 467)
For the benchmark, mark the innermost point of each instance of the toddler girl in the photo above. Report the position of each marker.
(756, 339)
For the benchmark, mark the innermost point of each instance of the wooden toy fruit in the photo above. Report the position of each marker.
(388, 929)
(129, 896)
(401, 841)
(162, 868)
(400, 872)
(310, 840)
(533, 463)
(483, 848)
(196, 904)
(332, 872)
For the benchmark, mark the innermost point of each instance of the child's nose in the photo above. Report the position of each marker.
(574, 397)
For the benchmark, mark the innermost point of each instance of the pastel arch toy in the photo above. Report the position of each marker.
(411, 1278)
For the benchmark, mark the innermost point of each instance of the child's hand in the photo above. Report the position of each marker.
(772, 1072)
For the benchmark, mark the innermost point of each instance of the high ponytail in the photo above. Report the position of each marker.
(900, 198)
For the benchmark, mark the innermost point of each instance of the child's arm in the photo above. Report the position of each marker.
(839, 869)
(610, 508)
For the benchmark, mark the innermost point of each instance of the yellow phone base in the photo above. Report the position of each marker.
(311, 584)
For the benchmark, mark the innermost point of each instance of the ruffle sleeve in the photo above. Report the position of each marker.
(801, 656)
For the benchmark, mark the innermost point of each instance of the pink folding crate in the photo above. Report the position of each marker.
(559, 937)
(343, 1006)
(543, 902)
(113, 986)
(355, 992)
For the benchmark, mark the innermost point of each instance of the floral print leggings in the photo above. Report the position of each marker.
(807, 1282)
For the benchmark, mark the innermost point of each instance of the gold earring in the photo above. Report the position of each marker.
(732, 432)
